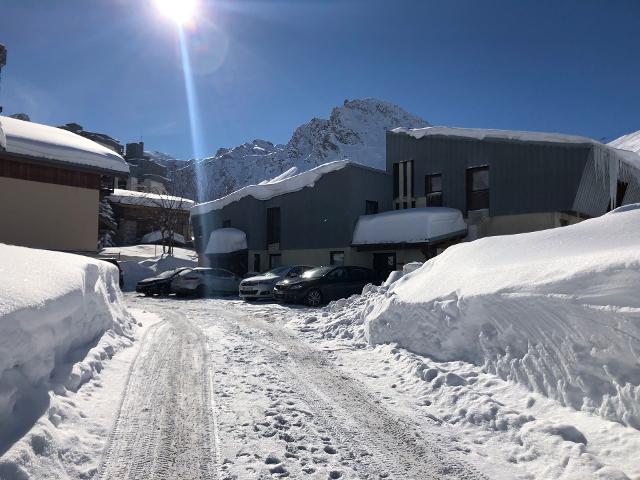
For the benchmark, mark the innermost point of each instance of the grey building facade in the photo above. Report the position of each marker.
(313, 225)
(507, 182)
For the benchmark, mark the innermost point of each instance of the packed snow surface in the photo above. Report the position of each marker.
(415, 225)
(226, 240)
(53, 309)
(42, 141)
(557, 311)
(146, 199)
(272, 188)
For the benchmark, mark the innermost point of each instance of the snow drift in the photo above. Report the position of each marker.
(557, 311)
(53, 309)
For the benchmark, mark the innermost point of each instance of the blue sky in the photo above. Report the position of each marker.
(263, 67)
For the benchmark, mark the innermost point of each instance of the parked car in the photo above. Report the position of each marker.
(261, 286)
(115, 262)
(324, 284)
(206, 281)
(160, 284)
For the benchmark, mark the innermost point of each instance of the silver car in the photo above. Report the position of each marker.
(206, 281)
(261, 286)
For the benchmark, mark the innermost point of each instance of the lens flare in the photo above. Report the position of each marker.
(180, 11)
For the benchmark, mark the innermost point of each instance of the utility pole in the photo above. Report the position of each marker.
(3, 62)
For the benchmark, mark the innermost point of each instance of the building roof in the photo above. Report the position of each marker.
(146, 199)
(52, 144)
(280, 185)
(410, 226)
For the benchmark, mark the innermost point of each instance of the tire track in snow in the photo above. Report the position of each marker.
(165, 427)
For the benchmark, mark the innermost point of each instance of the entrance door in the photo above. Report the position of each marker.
(383, 265)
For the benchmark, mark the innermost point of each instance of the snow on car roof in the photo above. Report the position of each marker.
(43, 141)
(414, 225)
(278, 186)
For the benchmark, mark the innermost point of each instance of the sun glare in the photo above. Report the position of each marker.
(180, 11)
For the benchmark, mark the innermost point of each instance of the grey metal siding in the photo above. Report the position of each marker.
(524, 177)
(322, 216)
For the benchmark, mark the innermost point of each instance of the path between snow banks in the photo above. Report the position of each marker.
(166, 427)
(284, 408)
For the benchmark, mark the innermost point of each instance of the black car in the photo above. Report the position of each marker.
(323, 284)
(160, 284)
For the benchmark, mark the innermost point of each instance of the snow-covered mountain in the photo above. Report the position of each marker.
(629, 142)
(354, 131)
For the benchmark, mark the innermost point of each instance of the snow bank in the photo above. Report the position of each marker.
(53, 309)
(273, 188)
(226, 240)
(415, 225)
(145, 199)
(557, 311)
(43, 141)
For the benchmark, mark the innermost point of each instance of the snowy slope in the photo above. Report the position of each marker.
(354, 131)
(629, 142)
(555, 310)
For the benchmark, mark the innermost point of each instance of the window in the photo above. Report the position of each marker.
(256, 262)
(226, 223)
(359, 274)
(275, 260)
(477, 188)
(433, 189)
(338, 274)
(621, 190)
(336, 258)
(371, 207)
(273, 225)
(405, 205)
(396, 180)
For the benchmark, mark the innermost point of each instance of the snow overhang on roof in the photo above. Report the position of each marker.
(272, 188)
(226, 240)
(52, 144)
(145, 199)
(410, 226)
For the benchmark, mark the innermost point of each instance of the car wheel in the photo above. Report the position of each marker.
(200, 291)
(313, 298)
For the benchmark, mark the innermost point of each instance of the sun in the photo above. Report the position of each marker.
(180, 11)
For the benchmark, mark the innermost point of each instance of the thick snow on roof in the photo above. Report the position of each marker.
(43, 141)
(272, 188)
(555, 310)
(133, 197)
(485, 134)
(156, 236)
(226, 240)
(414, 225)
(630, 142)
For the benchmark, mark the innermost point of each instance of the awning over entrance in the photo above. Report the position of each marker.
(226, 240)
(414, 226)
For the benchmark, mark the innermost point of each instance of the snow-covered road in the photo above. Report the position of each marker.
(222, 389)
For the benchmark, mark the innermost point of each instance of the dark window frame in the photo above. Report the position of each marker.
(371, 207)
(273, 256)
(433, 196)
(477, 199)
(336, 252)
(396, 180)
(273, 225)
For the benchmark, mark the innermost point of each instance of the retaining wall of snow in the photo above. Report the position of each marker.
(557, 311)
(53, 309)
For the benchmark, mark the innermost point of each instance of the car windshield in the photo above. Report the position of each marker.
(317, 272)
(277, 272)
(167, 274)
